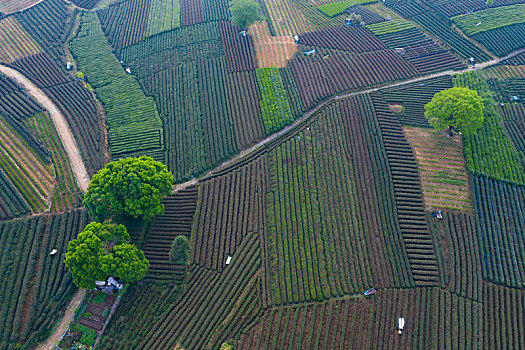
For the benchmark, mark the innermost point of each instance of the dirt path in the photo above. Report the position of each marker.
(59, 120)
(53, 340)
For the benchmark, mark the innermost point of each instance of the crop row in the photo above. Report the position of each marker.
(415, 46)
(16, 42)
(504, 40)
(331, 71)
(413, 98)
(244, 107)
(48, 23)
(42, 70)
(451, 8)
(351, 39)
(294, 98)
(498, 206)
(15, 107)
(238, 49)
(137, 313)
(359, 323)
(459, 254)
(516, 60)
(125, 23)
(176, 220)
(79, 108)
(66, 194)
(503, 314)
(87, 4)
(439, 28)
(284, 18)
(191, 12)
(216, 297)
(390, 27)
(513, 120)
(367, 15)
(409, 202)
(35, 284)
(318, 250)
(192, 100)
(12, 204)
(134, 126)
(166, 50)
(504, 72)
(508, 88)
(407, 9)
(489, 151)
(216, 10)
(490, 19)
(32, 177)
(444, 177)
(164, 15)
(230, 208)
(275, 108)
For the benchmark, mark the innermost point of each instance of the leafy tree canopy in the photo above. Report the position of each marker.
(457, 108)
(102, 250)
(130, 187)
(245, 12)
(180, 251)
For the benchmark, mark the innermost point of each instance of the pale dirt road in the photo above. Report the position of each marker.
(53, 340)
(59, 120)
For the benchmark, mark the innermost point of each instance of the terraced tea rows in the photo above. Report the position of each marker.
(409, 201)
(176, 220)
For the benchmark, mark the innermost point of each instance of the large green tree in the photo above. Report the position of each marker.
(457, 108)
(130, 187)
(103, 250)
(245, 12)
(180, 250)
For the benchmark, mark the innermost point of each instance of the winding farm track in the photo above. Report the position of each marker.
(82, 176)
(60, 122)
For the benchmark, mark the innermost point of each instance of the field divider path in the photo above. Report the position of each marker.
(66, 136)
(310, 115)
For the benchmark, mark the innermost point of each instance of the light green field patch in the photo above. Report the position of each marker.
(164, 15)
(482, 21)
